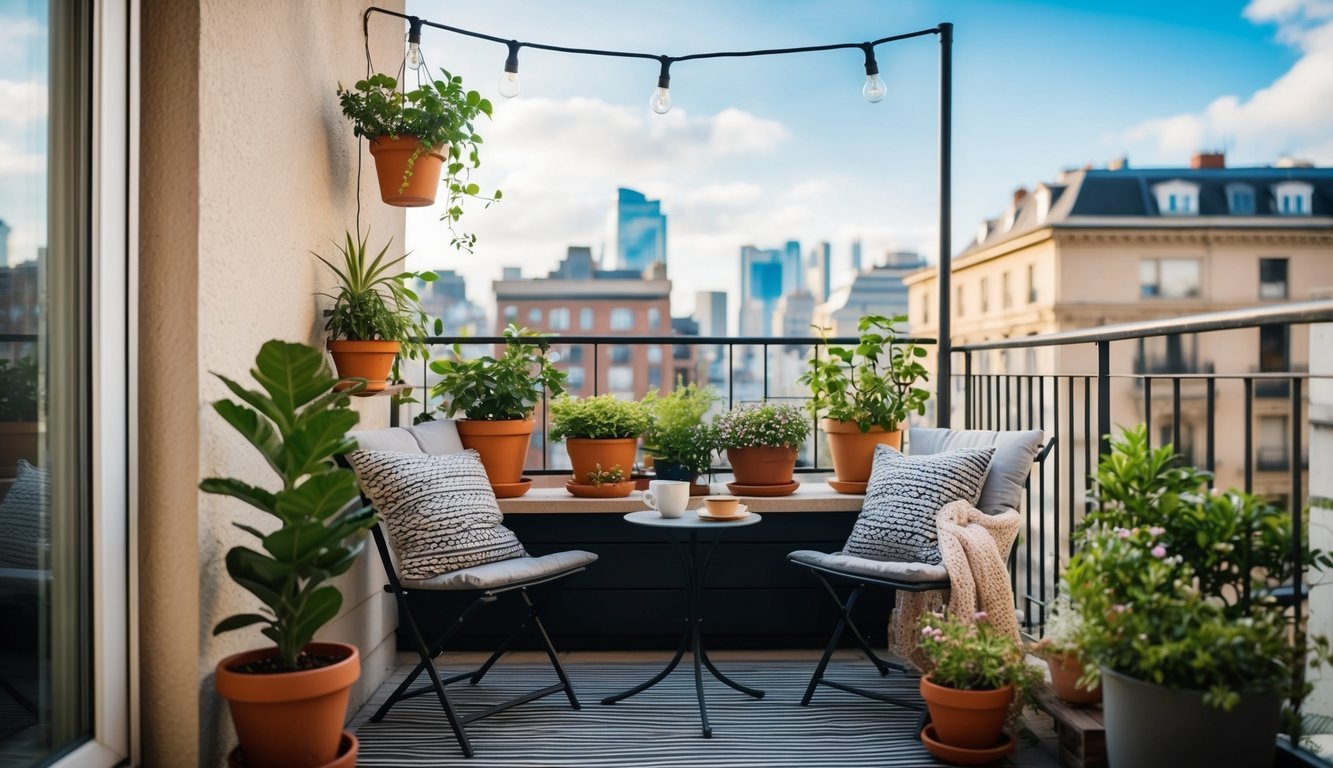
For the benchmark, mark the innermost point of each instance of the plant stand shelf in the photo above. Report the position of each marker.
(1081, 734)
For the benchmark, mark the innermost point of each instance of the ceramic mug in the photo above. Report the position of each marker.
(721, 506)
(668, 497)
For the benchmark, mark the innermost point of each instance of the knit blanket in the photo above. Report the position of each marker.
(974, 547)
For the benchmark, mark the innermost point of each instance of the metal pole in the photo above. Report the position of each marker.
(945, 348)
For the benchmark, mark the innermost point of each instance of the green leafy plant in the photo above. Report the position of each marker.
(1174, 581)
(873, 383)
(373, 300)
(599, 477)
(499, 388)
(436, 112)
(676, 432)
(18, 389)
(974, 656)
(762, 425)
(603, 416)
(298, 424)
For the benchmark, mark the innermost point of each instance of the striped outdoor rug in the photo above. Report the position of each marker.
(659, 727)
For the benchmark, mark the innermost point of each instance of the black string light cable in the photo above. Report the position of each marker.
(874, 89)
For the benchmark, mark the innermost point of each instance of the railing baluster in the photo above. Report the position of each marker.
(1175, 416)
(1210, 408)
(1147, 406)
(967, 390)
(1249, 434)
(1297, 554)
(1073, 460)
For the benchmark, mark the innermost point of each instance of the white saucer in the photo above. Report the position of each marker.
(741, 511)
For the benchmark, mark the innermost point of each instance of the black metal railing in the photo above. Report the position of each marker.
(1087, 383)
(742, 369)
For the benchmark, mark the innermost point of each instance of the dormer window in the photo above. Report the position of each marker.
(1043, 203)
(1177, 198)
(1240, 199)
(983, 231)
(1293, 198)
(1010, 216)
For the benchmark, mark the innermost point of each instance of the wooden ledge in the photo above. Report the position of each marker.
(814, 495)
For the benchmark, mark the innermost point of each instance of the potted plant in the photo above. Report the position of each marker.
(289, 701)
(374, 316)
(413, 134)
(1061, 645)
(18, 413)
(761, 442)
(1173, 583)
(497, 395)
(680, 443)
(601, 434)
(865, 394)
(978, 678)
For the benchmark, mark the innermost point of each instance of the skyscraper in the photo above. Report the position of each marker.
(856, 256)
(761, 287)
(4, 243)
(710, 311)
(819, 275)
(641, 231)
(792, 274)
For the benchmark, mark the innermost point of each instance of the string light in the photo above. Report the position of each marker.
(661, 99)
(509, 80)
(414, 43)
(874, 90)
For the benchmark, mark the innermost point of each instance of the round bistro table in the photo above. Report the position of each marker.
(685, 533)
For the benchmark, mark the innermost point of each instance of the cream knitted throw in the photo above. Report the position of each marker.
(974, 547)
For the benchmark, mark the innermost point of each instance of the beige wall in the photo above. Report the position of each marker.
(247, 165)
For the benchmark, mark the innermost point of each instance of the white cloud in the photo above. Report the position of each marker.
(14, 34)
(1291, 115)
(25, 103)
(14, 161)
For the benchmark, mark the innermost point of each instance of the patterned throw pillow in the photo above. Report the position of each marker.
(23, 518)
(897, 520)
(440, 511)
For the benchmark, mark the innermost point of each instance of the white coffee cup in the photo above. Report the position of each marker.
(668, 497)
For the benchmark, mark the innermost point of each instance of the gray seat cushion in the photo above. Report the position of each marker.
(916, 573)
(506, 572)
(438, 437)
(1009, 467)
(391, 440)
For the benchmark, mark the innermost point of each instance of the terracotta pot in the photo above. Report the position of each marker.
(18, 440)
(1066, 669)
(586, 453)
(398, 185)
(853, 450)
(348, 750)
(369, 360)
(289, 719)
(762, 466)
(503, 446)
(968, 719)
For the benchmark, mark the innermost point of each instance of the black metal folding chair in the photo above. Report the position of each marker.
(858, 573)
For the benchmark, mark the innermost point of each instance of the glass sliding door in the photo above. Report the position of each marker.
(46, 301)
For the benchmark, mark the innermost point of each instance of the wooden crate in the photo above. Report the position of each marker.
(1081, 733)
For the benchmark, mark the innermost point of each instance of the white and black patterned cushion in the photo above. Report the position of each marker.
(440, 510)
(897, 520)
(23, 518)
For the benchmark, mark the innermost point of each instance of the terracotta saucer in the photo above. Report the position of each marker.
(786, 489)
(848, 486)
(603, 491)
(741, 512)
(961, 756)
(511, 490)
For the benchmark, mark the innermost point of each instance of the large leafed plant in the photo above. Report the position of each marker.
(872, 384)
(298, 423)
(507, 387)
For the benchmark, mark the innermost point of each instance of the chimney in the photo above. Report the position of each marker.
(1208, 160)
(1019, 194)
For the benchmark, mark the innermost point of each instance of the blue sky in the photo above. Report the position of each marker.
(763, 150)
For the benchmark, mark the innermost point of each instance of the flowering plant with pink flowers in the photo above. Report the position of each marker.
(766, 425)
(971, 655)
(1174, 581)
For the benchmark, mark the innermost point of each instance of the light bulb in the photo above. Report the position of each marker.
(509, 85)
(414, 55)
(874, 89)
(661, 100)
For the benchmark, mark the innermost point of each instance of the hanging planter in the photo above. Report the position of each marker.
(408, 171)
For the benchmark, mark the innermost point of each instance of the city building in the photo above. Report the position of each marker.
(856, 256)
(641, 231)
(819, 272)
(1099, 246)
(446, 298)
(793, 276)
(5, 231)
(762, 281)
(879, 290)
(794, 315)
(710, 312)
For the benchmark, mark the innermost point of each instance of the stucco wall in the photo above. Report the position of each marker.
(247, 165)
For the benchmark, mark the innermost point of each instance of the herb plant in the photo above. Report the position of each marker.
(974, 656)
(599, 477)
(435, 112)
(501, 388)
(676, 432)
(765, 425)
(298, 424)
(18, 389)
(603, 416)
(373, 301)
(1173, 581)
(871, 384)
